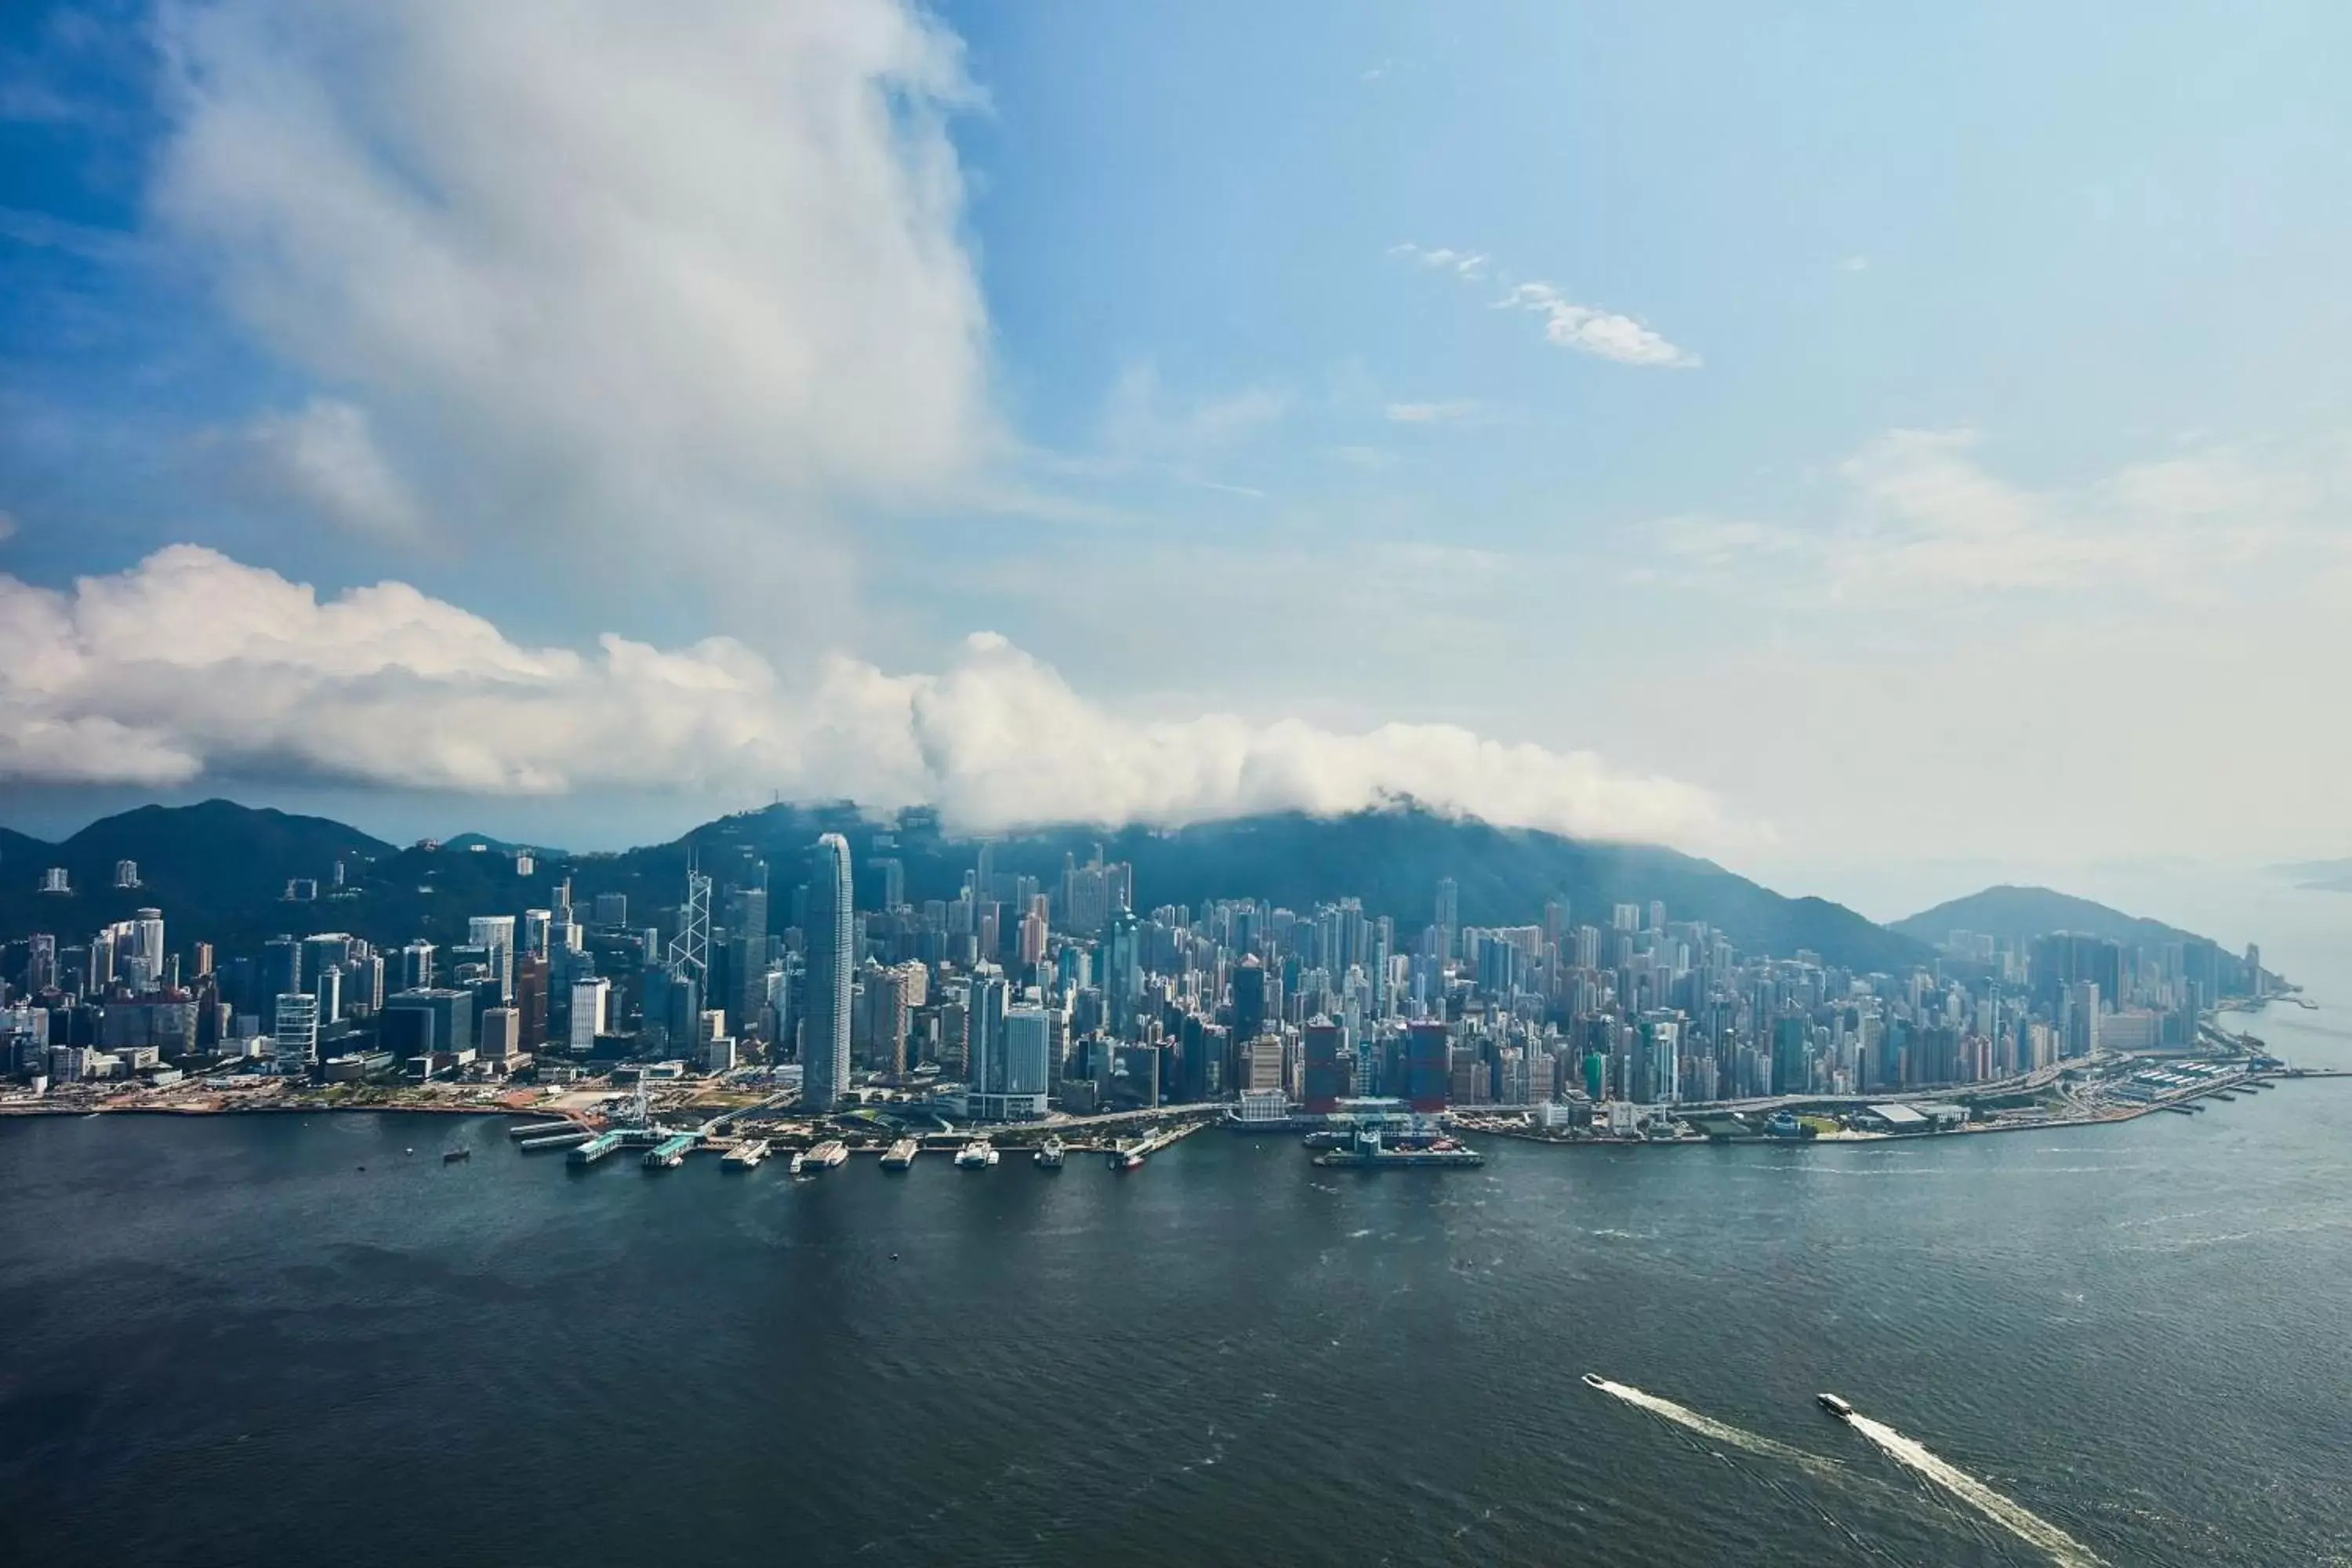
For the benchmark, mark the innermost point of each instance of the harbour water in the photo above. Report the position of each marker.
(226, 1342)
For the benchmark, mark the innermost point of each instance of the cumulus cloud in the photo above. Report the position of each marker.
(605, 262)
(193, 664)
(324, 457)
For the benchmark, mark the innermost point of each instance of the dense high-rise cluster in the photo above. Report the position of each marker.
(1027, 991)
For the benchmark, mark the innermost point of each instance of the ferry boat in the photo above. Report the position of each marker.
(1049, 1154)
(745, 1155)
(827, 1154)
(797, 1163)
(976, 1155)
(451, 1156)
(1127, 1159)
(1835, 1405)
(1366, 1154)
(900, 1155)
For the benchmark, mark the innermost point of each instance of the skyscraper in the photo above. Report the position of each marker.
(1791, 1055)
(1123, 970)
(281, 966)
(496, 932)
(1427, 1066)
(588, 1002)
(1027, 1050)
(150, 923)
(296, 1027)
(1249, 998)
(1329, 1070)
(984, 1006)
(831, 949)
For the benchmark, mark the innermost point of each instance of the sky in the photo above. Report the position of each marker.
(1877, 447)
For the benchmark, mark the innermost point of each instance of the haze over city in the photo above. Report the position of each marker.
(1740, 431)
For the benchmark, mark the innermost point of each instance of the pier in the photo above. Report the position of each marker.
(596, 1149)
(1126, 1156)
(671, 1153)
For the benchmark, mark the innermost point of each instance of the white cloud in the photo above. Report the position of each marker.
(1584, 327)
(192, 664)
(1596, 331)
(1432, 413)
(1140, 422)
(600, 263)
(1719, 544)
(1924, 515)
(324, 455)
(42, 232)
(1468, 265)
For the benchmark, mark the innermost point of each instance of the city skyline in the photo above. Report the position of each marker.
(1020, 997)
(1891, 534)
(906, 781)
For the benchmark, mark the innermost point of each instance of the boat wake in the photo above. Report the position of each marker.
(1721, 1431)
(1818, 1466)
(2015, 1517)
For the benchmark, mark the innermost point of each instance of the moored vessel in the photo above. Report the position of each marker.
(976, 1155)
(745, 1155)
(827, 1154)
(1366, 1153)
(900, 1155)
(1050, 1155)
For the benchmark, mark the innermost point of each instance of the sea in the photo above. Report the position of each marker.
(274, 1338)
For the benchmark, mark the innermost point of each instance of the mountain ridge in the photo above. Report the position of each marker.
(2020, 912)
(219, 869)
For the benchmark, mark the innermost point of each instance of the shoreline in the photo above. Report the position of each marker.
(198, 1110)
(2119, 1118)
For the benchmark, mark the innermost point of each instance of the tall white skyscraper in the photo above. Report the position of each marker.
(296, 1030)
(151, 948)
(1028, 1051)
(496, 932)
(831, 949)
(589, 999)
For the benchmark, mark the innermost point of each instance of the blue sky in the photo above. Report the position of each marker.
(1816, 436)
